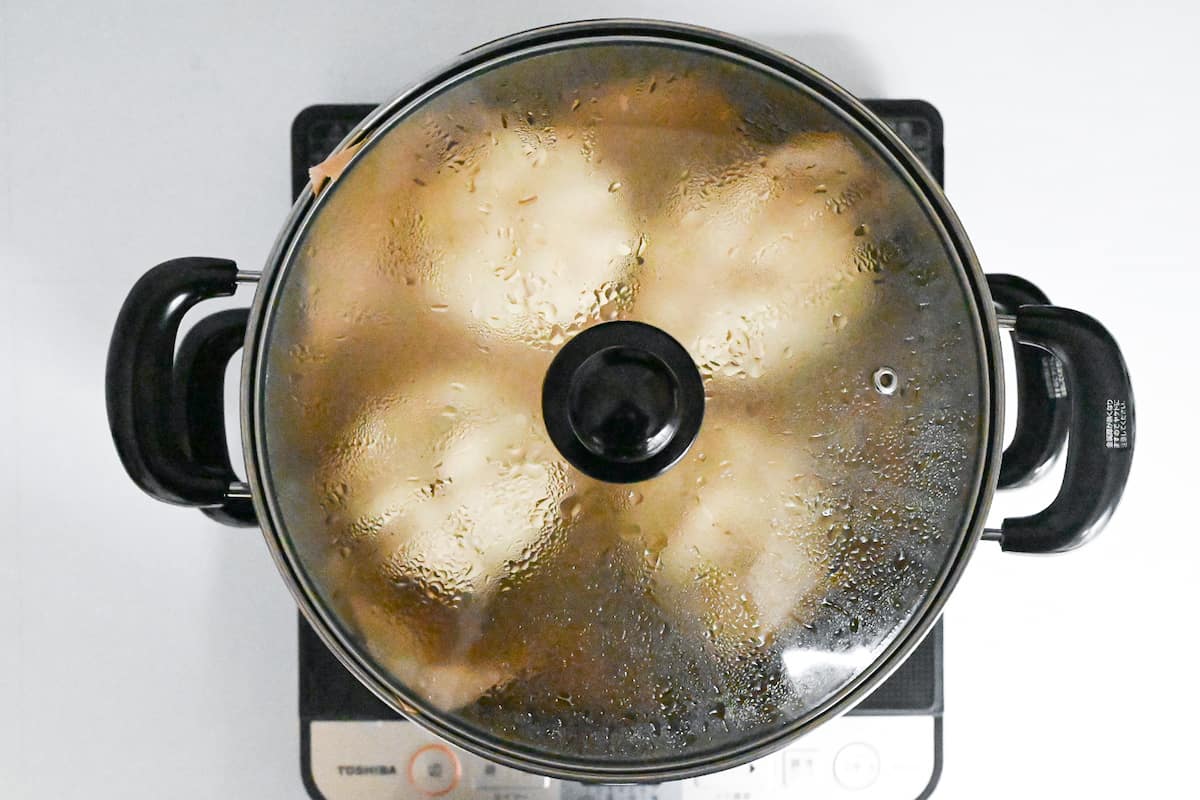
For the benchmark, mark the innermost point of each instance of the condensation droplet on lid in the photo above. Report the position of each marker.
(614, 186)
(571, 508)
(629, 531)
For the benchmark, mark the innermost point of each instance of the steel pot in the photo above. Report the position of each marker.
(622, 402)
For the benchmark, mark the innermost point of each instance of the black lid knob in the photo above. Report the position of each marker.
(623, 401)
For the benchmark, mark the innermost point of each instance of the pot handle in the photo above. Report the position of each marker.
(199, 402)
(1100, 450)
(1043, 411)
(140, 381)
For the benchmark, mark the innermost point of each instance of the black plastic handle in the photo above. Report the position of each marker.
(1100, 450)
(140, 383)
(199, 401)
(1043, 412)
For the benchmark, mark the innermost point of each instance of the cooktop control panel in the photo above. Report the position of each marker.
(865, 758)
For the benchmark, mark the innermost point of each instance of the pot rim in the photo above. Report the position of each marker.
(866, 124)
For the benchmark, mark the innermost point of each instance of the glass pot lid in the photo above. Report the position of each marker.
(622, 404)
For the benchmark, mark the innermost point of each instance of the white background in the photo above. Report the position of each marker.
(146, 652)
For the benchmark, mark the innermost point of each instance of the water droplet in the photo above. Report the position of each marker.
(640, 250)
(861, 230)
(615, 186)
(652, 558)
(571, 508)
(439, 308)
(629, 531)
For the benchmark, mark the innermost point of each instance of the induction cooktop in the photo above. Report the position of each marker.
(353, 747)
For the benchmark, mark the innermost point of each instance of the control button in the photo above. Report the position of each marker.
(800, 766)
(494, 776)
(434, 770)
(856, 766)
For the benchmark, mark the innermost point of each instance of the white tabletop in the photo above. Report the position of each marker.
(149, 653)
